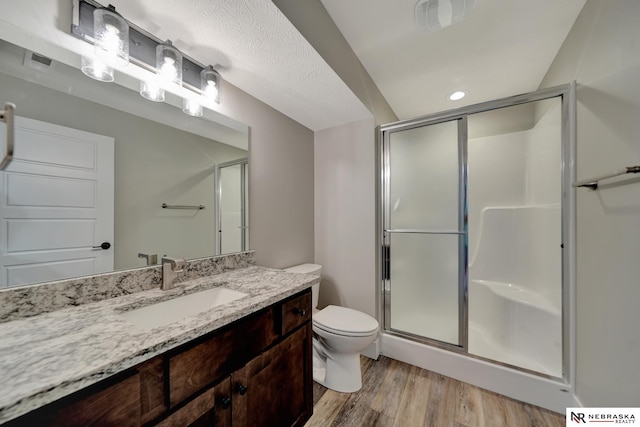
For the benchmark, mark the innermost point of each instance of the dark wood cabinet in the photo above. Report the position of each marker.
(210, 408)
(254, 372)
(115, 402)
(192, 369)
(275, 388)
(152, 394)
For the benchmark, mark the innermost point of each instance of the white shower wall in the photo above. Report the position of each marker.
(515, 275)
(514, 169)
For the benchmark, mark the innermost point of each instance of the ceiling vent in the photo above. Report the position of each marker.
(37, 61)
(433, 15)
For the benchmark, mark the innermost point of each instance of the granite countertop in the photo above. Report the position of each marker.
(49, 356)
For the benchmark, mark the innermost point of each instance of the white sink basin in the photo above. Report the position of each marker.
(166, 312)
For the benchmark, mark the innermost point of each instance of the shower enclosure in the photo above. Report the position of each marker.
(475, 230)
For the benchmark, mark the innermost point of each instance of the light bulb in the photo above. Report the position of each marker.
(110, 42)
(96, 69)
(168, 70)
(168, 65)
(152, 91)
(211, 90)
(192, 106)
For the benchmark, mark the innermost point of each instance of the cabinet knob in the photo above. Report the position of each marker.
(300, 311)
(242, 389)
(225, 402)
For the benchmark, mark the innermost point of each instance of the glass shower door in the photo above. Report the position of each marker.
(425, 231)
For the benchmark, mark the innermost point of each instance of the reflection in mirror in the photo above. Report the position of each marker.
(232, 206)
(94, 163)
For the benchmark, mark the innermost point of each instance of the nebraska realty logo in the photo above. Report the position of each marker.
(577, 416)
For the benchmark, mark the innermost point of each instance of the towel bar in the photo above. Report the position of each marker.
(166, 206)
(593, 182)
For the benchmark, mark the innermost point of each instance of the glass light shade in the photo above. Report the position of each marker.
(151, 90)
(193, 106)
(210, 84)
(168, 64)
(111, 34)
(96, 69)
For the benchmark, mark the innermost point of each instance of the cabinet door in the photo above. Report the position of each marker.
(153, 403)
(275, 388)
(210, 408)
(194, 369)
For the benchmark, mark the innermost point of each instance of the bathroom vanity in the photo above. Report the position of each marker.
(246, 362)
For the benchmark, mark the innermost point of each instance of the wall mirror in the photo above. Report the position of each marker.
(95, 163)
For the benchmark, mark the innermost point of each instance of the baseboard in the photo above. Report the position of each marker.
(547, 393)
(373, 351)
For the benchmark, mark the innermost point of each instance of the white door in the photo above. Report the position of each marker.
(56, 204)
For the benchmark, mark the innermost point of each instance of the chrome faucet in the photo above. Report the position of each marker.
(171, 269)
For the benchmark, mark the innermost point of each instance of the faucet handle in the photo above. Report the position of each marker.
(152, 259)
(177, 264)
(181, 264)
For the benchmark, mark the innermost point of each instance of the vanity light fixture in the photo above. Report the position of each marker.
(117, 41)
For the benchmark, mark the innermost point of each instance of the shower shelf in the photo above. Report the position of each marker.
(593, 182)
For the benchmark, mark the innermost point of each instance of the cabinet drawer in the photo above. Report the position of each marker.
(105, 404)
(296, 311)
(210, 408)
(198, 367)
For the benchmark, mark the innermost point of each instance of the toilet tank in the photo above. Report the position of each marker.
(308, 269)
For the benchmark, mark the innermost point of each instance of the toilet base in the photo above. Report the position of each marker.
(337, 371)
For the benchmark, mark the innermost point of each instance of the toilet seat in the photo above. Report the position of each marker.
(345, 321)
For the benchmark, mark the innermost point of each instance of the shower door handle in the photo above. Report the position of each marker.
(386, 262)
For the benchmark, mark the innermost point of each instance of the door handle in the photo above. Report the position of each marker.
(104, 245)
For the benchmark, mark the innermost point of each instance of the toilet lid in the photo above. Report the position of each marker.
(344, 321)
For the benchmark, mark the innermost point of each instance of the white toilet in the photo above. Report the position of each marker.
(339, 335)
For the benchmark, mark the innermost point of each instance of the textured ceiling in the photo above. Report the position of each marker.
(503, 48)
(258, 50)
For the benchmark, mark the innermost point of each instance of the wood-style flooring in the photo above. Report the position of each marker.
(396, 394)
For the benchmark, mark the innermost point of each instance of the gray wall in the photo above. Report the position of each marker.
(602, 53)
(281, 181)
(345, 228)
